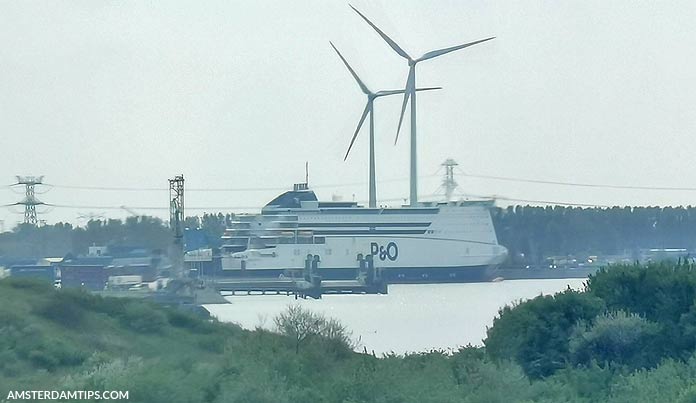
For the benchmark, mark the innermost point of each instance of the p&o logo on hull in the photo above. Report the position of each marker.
(391, 251)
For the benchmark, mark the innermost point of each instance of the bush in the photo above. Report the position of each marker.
(301, 325)
(535, 333)
(660, 292)
(688, 395)
(110, 306)
(662, 384)
(8, 362)
(8, 318)
(590, 382)
(663, 293)
(32, 284)
(51, 353)
(189, 321)
(63, 309)
(618, 337)
(143, 318)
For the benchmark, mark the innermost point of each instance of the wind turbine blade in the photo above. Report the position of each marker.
(384, 36)
(440, 52)
(428, 89)
(355, 135)
(384, 93)
(407, 93)
(362, 85)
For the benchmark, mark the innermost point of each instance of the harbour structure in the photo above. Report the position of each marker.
(410, 93)
(307, 283)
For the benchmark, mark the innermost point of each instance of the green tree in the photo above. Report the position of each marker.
(302, 325)
(535, 333)
(616, 337)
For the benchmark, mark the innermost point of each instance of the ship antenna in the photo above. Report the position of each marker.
(306, 172)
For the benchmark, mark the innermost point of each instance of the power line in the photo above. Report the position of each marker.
(560, 203)
(336, 185)
(75, 206)
(491, 177)
(590, 185)
(115, 188)
(235, 189)
(81, 206)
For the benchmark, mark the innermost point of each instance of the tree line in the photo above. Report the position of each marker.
(530, 233)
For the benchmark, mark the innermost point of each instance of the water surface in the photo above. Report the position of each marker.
(410, 318)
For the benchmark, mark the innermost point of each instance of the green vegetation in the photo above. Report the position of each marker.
(532, 231)
(537, 232)
(630, 336)
(28, 241)
(536, 333)
(304, 326)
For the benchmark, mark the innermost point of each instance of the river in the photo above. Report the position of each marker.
(410, 318)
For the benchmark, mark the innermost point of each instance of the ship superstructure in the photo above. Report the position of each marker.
(434, 242)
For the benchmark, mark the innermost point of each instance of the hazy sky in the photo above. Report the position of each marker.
(241, 94)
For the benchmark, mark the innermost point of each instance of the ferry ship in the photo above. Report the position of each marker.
(421, 242)
(427, 243)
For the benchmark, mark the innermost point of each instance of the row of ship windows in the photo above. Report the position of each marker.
(327, 252)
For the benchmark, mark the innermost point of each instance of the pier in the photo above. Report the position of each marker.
(310, 284)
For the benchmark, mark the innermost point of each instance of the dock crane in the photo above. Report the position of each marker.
(130, 211)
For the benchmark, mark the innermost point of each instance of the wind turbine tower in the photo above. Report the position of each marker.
(410, 92)
(369, 109)
(30, 201)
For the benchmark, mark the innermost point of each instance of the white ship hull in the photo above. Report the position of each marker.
(446, 242)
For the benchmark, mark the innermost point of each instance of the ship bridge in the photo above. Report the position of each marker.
(301, 197)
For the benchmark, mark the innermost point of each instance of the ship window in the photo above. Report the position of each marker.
(319, 239)
(297, 252)
(328, 251)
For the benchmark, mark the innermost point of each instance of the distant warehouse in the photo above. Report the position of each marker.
(47, 273)
(91, 277)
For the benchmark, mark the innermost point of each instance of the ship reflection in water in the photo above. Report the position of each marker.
(410, 318)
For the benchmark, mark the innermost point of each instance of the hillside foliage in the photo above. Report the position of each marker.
(628, 337)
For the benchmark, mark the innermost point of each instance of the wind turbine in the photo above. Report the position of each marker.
(410, 92)
(369, 109)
